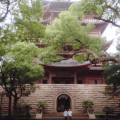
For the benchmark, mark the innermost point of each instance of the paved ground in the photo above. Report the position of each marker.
(73, 119)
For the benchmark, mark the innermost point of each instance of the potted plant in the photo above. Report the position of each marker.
(90, 105)
(107, 110)
(41, 105)
(27, 108)
(40, 108)
(90, 109)
(84, 103)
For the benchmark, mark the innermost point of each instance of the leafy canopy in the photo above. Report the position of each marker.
(68, 30)
(106, 10)
(19, 68)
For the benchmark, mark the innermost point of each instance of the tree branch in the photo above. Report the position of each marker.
(79, 42)
(115, 10)
(109, 21)
(8, 3)
(97, 58)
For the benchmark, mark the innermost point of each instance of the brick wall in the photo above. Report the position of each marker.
(77, 93)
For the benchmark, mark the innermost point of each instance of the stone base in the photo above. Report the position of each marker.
(39, 116)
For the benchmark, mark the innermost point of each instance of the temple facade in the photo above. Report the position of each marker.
(67, 84)
(70, 71)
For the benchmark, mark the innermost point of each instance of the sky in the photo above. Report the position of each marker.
(110, 34)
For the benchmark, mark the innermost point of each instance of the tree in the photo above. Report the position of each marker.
(24, 25)
(68, 30)
(106, 10)
(112, 74)
(19, 68)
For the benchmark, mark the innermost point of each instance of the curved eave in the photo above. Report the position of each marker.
(87, 64)
(108, 44)
(47, 5)
(96, 68)
(46, 20)
(101, 22)
(66, 66)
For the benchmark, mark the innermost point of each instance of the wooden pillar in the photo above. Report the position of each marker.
(50, 79)
(75, 79)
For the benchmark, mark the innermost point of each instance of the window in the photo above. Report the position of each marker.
(96, 82)
(44, 81)
(80, 82)
(67, 82)
(57, 82)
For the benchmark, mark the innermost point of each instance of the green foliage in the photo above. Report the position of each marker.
(107, 109)
(29, 21)
(41, 104)
(112, 73)
(98, 115)
(85, 102)
(80, 58)
(19, 68)
(31, 9)
(28, 107)
(49, 55)
(90, 103)
(16, 52)
(100, 8)
(76, 8)
(67, 30)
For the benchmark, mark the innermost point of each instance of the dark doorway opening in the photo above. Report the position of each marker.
(63, 80)
(63, 102)
(80, 82)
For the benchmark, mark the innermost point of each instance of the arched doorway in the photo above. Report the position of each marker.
(63, 102)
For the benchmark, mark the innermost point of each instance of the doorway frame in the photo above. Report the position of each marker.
(56, 100)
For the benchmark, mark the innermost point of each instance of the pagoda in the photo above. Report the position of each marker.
(67, 84)
(70, 71)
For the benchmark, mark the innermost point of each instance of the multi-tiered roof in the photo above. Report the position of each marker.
(71, 67)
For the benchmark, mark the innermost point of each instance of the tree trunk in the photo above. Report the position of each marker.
(10, 106)
(1, 104)
(15, 108)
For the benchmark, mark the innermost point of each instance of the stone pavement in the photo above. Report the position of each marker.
(75, 118)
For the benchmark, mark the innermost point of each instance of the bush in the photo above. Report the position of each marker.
(104, 115)
(107, 109)
(27, 108)
(85, 102)
(20, 107)
(41, 104)
(90, 103)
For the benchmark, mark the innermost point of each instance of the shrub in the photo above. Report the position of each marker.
(85, 102)
(90, 103)
(41, 104)
(107, 109)
(27, 108)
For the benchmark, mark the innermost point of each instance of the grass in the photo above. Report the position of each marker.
(19, 115)
(104, 115)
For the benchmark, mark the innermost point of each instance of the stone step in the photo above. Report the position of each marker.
(61, 115)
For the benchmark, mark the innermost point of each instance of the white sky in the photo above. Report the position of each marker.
(110, 34)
